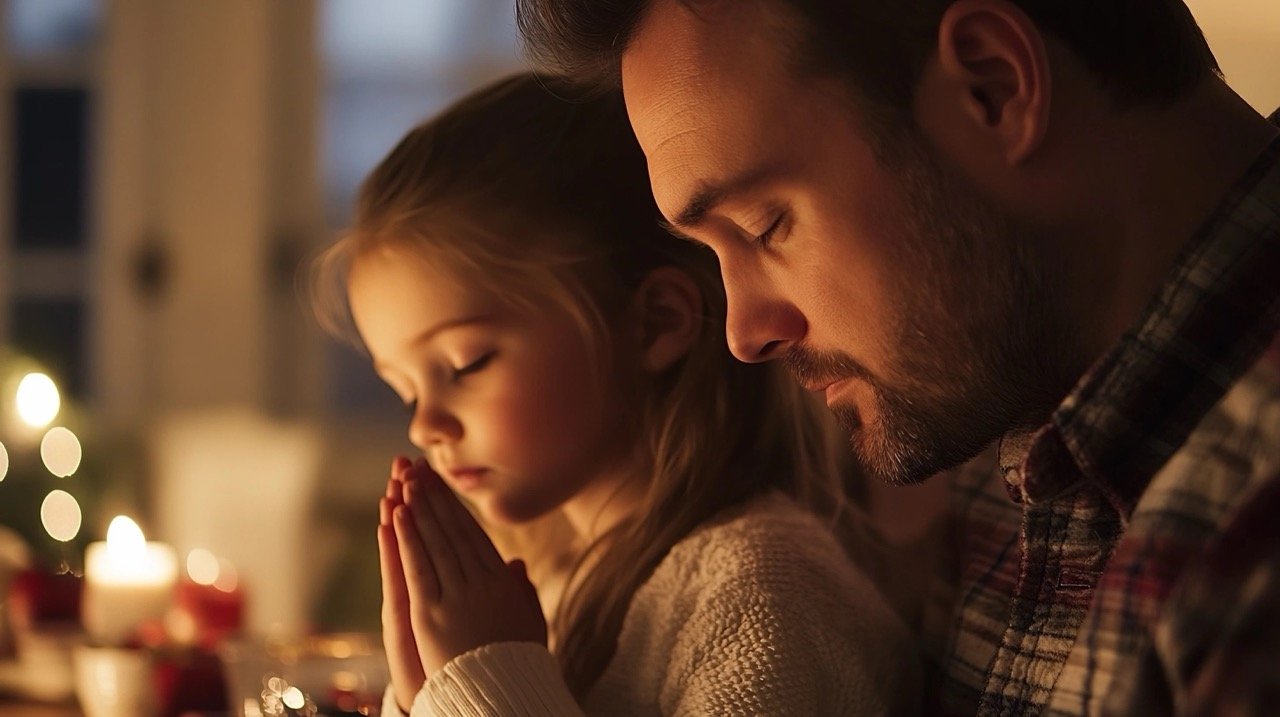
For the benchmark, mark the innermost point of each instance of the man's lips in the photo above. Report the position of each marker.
(822, 385)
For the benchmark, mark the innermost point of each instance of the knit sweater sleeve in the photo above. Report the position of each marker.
(498, 680)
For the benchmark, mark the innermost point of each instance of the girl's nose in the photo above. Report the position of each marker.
(431, 425)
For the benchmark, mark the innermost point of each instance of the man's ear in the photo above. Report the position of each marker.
(998, 75)
(667, 308)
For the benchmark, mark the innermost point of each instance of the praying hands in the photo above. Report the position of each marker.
(445, 588)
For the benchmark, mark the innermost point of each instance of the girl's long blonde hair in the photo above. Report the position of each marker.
(546, 201)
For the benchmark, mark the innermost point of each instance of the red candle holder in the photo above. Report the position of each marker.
(205, 615)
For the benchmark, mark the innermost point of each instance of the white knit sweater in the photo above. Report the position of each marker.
(756, 613)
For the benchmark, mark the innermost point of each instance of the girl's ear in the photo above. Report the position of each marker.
(668, 314)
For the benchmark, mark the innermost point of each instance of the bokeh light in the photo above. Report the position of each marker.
(61, 516)
(61, 452)
(202, 567)
(38, 400)
(228, 578)
(4, 461)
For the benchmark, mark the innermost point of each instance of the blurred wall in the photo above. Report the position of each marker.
(1245, 37)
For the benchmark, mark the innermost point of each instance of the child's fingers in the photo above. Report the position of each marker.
(441, 501)
(395, 595)
(470, 531)
(422, 582)
(403, 659)
(437, 543)
(384, 511)
(399, 465)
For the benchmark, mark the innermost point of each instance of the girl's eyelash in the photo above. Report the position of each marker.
(762, 240)
(411, 407)
(474, 366)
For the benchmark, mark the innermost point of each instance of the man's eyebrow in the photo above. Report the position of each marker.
(708, 195)
(670, 229)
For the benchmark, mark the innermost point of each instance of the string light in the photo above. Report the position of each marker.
(38, 400)
(60, 514)
(61, 452)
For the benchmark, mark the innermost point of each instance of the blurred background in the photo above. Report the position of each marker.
(167, 166)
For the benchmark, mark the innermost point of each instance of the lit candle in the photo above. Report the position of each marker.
(128, 582)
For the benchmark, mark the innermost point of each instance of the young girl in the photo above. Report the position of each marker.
(558, 351)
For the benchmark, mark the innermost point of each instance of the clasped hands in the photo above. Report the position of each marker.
(445, 588)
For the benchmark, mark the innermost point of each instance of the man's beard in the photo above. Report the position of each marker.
(981, 345)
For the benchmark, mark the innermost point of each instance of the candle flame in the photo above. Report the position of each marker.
(125, 538)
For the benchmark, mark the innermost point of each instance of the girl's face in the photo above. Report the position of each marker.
(502, 401)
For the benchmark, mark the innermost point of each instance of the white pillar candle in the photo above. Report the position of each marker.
(128, 581)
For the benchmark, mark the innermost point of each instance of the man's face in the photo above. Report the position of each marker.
(912, 302)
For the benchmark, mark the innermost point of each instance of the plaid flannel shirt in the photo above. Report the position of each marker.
(1125, 558)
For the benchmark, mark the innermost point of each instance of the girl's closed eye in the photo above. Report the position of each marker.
(474, 366)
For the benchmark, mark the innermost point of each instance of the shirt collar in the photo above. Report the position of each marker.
(1216, 313)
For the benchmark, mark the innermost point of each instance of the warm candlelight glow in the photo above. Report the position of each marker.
(293, 698)
(38, 400)
(60, 515)
(61, 452)
(4, 461)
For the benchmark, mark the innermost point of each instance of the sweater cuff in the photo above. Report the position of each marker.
(391, 708)
(498, 680)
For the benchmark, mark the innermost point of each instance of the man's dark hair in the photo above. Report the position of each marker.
(1141, 51)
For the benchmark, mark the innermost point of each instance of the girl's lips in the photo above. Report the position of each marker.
(466, 477)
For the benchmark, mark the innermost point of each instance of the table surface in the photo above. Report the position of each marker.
(25, 709)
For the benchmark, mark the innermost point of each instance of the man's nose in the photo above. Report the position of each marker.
(760, 326)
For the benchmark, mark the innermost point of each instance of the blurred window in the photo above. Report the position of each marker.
(389, 65)
(50, 139)
(392, 63)
(42, 28)
(47, 86)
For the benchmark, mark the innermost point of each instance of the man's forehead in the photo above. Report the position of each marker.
(665, 66)
(689, 90)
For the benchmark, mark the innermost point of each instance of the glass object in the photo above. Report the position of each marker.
(338, 674)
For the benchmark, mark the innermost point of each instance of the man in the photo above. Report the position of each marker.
(1045, 225)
